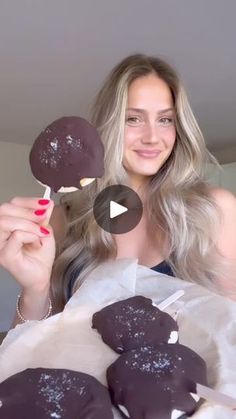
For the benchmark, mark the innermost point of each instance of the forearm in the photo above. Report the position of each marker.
(34, 305)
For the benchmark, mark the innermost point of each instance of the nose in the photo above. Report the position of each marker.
(150, 135)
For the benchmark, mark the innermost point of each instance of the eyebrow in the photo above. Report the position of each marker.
(161, 112)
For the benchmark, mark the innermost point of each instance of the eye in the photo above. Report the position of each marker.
(133, 120)
(167, 121)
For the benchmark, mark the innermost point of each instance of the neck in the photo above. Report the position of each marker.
(137, 182)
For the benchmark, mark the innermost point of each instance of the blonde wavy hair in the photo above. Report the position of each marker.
(177, 200)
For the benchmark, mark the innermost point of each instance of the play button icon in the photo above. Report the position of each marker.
(117, 209)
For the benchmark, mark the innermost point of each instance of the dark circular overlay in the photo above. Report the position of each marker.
(121, 195)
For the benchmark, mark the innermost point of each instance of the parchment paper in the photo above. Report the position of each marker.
(207, 324)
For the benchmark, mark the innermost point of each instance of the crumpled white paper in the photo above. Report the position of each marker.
(207, 324)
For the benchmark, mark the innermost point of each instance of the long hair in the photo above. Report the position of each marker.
(177, 196)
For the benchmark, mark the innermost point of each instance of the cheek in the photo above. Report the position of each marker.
(170, 137)
(129, 137)
(132, 137)
(129, 141)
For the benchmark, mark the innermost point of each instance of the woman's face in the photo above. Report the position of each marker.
(149, 129)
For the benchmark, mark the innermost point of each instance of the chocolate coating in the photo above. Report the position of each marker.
(150, 382)
(68, 150)
(131, 323)
(44, 393)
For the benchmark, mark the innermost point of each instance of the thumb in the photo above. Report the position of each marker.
(48, 242)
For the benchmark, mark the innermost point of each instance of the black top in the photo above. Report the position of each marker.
(162, 267)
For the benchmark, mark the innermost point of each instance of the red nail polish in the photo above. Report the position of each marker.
(40, 212)
(43, 201)
(44, 230)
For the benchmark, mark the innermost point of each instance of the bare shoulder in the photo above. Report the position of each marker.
(225, 199)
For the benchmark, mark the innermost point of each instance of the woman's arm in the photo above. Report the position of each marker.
(34, 306)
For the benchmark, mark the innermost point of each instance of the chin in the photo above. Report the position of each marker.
(144, 167)
(146, 171)
(147, 174)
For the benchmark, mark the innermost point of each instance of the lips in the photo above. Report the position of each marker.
(148, 153)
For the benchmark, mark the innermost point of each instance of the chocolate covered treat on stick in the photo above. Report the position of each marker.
(134, 322)
(67, 155)
(48, 393)
(162, 382)
(156, 381)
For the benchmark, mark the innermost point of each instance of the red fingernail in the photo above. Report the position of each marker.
(43, 201)
(44, 230)
(40, 212)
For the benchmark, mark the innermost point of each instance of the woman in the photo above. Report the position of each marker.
(154, 145)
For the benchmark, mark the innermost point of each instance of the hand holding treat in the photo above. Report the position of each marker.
(27, 250)
(66, 156)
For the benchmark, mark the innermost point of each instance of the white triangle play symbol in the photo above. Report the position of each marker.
(116, 209)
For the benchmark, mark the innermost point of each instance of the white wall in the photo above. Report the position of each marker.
(225, 155)
(17, 180)
(228, 177)
(225, 178)
(15, 175)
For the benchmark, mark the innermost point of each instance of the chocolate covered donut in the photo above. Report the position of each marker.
(67, 151)
(44, 393)
(134, 322)
(156, 382)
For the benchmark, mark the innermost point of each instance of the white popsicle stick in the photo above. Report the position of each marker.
(47, 193)
(164, 304)
(215, 396)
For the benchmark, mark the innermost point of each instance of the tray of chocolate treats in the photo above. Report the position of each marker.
(114, 353)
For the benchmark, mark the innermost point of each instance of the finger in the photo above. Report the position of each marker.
(15, 243)
(23, 238)
(37, 244)
(38, 215)
(32, 203)
(48, 240)
(10, 224)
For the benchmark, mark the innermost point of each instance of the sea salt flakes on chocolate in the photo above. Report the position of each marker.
(67, 152)
(134, 322)
(44, 393)
(156, 381)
